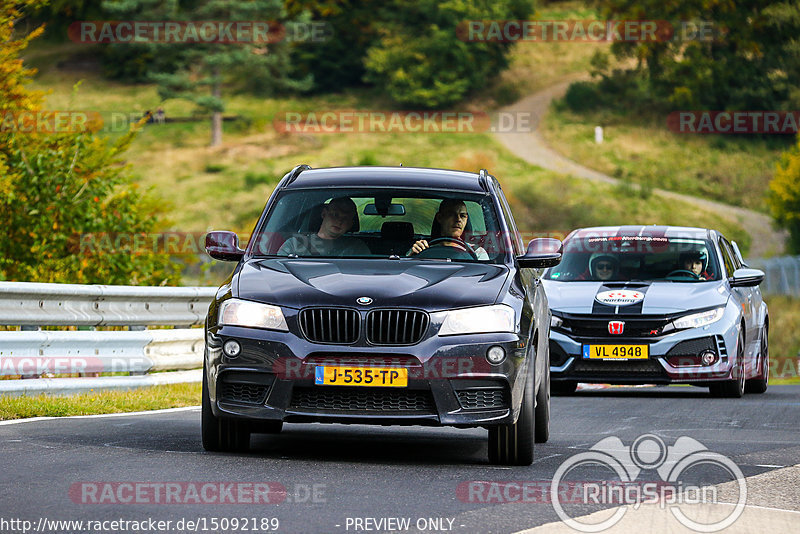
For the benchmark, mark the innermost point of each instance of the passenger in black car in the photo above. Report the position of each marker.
(338, 217)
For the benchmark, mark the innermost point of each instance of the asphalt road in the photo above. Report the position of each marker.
(327, 477)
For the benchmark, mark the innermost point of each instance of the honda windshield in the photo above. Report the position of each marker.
(636, 258)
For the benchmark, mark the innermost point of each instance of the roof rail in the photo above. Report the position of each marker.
(294, 173)
(483, 177)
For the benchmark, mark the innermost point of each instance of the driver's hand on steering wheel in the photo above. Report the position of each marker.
(419, 246)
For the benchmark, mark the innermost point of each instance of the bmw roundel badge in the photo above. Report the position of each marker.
(364, 301)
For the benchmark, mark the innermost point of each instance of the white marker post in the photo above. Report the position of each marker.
(598, 135)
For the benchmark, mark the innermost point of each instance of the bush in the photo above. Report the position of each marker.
(582, 96)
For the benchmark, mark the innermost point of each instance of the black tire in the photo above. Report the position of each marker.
(221, 434)
(513, 444)
(209, 423)
(542, 417)
(760, 383)
(563, 387)
(733, 388)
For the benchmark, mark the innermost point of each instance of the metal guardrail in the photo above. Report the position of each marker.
(39, 354)
(782, 275)
(26, 303)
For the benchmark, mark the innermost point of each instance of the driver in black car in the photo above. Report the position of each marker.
(452, 219)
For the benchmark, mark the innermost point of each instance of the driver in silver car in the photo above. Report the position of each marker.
(449, 222)
(695, 261)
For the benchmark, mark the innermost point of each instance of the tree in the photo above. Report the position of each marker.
(421, 60)
(784, 199)
(57, 187)
(203, 69)
(748, 60)
(351, 28)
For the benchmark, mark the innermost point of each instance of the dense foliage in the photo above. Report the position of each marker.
(60, 190)
(722, 54)
(410, 50)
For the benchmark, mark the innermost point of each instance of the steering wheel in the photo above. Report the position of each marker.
(683, 272)
(463, 245)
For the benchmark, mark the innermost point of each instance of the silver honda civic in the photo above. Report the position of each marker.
(656, 305)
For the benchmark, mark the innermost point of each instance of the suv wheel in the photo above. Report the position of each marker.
(513, 444)
(733, 388)
(220, 434)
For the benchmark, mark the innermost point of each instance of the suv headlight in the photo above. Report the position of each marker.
(235, 312)
(556, 321)
(699, 319)
(497, 318)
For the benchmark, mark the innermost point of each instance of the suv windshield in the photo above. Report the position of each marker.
(379, 223)
(636, 258)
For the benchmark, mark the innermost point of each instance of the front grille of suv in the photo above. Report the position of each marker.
(396, 327)
(330, 325)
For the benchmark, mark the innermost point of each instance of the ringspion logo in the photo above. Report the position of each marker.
(674, 465)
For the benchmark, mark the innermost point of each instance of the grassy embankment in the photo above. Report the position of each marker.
(152, 398)
(732, 169)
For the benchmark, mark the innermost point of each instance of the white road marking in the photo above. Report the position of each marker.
(93, 416)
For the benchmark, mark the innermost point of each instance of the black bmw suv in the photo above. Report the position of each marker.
(381, 295)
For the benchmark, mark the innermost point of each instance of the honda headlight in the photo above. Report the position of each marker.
(696, 320)
(498, 318)
(556, 321)
(235, 312)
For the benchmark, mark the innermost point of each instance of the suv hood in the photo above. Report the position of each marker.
(660, 298)
(429, 285)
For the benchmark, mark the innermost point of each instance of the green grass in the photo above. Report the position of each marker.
(149, 398)
(731, 169)
(784, 336)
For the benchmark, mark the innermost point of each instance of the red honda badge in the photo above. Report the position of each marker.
(616, 327)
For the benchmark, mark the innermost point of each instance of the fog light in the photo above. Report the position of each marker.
(496, 355)
(708, 357)
(231, 348)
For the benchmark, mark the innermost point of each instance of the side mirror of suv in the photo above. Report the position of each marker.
(542, 252)
(223, 246)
